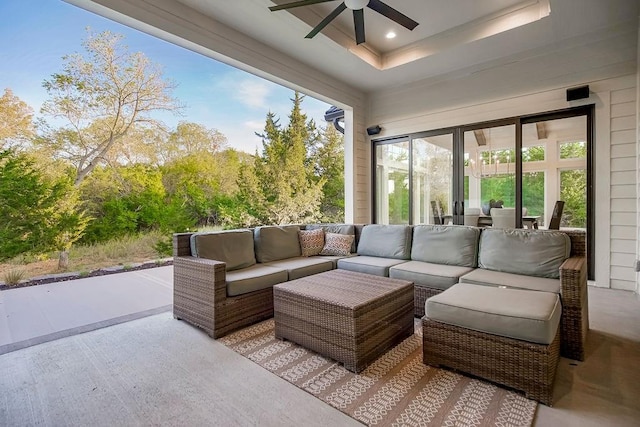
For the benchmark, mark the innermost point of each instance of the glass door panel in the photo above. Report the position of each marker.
(432, 179)
(554, 161)
(392, 183)
(489, 171)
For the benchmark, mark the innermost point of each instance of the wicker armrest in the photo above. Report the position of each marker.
(199, 286)
(573, 278)
(575, 307)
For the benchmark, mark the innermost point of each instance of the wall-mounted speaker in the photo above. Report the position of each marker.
(374, 130)
(578, 93)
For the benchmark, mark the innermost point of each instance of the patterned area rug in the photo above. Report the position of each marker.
(397, 389)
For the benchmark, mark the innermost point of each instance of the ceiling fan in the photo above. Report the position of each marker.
(357, 7)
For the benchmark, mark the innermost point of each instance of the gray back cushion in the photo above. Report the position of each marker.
(233, 247)
(347, 229)
(386, 241)
(274, 243)
(532, 253)
(444, 244)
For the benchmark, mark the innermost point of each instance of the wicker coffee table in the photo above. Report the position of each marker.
(351, 317)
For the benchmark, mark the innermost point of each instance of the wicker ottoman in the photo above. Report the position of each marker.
(508, 336)
(351, 317)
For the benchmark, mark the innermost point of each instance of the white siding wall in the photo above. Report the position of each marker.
(362, 175)
(615, 155)
(623, 186)
(357, 170)
(638, 154)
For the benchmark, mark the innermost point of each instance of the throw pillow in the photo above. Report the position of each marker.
(311, 241)
(337, 244)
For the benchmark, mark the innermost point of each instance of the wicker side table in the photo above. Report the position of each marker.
(351, 317)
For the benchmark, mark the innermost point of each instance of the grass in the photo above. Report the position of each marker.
(124, 251)
(13, 277)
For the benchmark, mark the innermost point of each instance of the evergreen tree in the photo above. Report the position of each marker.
(38, 215)
(329, 165)
(281, 187)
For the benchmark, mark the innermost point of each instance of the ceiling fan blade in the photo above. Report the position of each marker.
(297, 4)
(392, 14)
(337, 11)
(358, 23)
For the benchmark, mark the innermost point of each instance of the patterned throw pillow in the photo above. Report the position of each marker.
(311, 241)
(337, 244)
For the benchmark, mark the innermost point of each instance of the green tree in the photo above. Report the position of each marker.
(103, 96)
(573, 186)
(281, 184)
(38, 215)
(201, 183)
(329, 165)
(248, 207)
(399, 198)
(573, 150)
(573, 191)
(16, 125)
(533, 192)
(128, 199)
(192, 138)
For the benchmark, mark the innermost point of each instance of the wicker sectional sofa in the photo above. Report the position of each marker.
(223, 281)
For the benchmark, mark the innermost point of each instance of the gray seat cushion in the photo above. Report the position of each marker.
(254, 278)
(480, 276)
(514, 313)
(235, 247)
(273, 243)
(444, 244)
(369, 264)
(437, 276)
(528, 252)
(302, 266)
(386, 241)
(335, 258)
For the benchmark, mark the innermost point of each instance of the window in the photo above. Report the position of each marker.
(573, 150)
(533, 154)
(573, 190)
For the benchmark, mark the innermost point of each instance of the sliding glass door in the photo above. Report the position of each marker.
(519, 166)
(489, 170)
(413, 182)
(392, 182)
(432, 179)
(554, 165)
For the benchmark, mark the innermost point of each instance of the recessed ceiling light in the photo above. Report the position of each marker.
(391, 35)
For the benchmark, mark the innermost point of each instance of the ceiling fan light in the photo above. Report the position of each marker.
(356, 4)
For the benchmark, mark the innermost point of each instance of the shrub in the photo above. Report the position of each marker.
(164, 246)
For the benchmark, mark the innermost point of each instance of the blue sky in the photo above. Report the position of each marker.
(36, 34)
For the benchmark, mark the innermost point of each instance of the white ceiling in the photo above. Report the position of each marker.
(452, 35)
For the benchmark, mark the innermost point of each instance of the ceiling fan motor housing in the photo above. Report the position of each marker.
(356, 4)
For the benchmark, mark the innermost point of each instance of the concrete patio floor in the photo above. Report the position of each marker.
(159, 371)
(37, 314)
